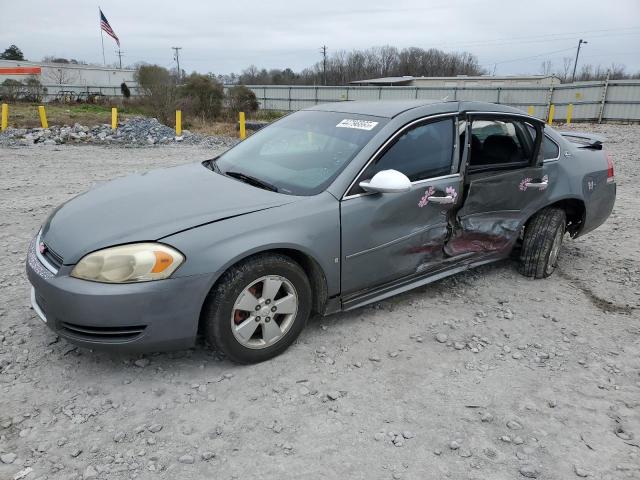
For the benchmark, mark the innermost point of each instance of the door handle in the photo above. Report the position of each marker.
(536, 184)
(443, 200)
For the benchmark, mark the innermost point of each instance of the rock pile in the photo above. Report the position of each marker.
(135, 132)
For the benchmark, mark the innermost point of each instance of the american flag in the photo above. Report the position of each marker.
(104, 25)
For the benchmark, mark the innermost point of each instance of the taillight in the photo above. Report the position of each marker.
(610, 175)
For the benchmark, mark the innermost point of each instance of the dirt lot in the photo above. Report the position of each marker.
(525, 378)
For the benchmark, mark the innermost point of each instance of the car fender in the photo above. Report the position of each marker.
(310, 227)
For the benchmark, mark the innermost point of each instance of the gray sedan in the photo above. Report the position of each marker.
(325, 210)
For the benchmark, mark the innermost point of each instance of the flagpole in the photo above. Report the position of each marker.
(104, 62)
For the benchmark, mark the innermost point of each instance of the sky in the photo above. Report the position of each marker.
(508, 37)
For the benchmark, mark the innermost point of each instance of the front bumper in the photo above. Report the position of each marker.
(148, 316)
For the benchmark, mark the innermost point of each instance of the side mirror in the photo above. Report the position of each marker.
(387, 181)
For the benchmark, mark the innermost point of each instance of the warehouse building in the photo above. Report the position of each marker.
(65, 74)
(462, 81)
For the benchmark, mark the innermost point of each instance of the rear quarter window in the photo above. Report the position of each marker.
(550, 149)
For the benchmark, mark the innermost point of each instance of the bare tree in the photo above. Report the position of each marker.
(344, 67)
(60, 75)
(545, 67)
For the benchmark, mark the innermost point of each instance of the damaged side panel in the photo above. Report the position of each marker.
(391, 236)
(495, 207)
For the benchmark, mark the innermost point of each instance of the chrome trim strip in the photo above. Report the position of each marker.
(36, 307)
(435, 179)
(386, 143)
(504, 114)
(43, 260)
(397, 240)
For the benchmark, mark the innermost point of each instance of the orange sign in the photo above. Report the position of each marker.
(20, 71)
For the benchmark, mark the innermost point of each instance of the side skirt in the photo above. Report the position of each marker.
(405, 284)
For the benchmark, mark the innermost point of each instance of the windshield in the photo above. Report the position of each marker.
(302, 153)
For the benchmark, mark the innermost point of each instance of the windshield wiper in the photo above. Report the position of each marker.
(256, 182)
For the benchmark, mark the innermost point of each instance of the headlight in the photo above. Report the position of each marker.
(139, 262)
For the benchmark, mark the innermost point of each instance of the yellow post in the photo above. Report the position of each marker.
(5, 117)
(243, 129)
(569, 113)
(43, 117)
(552, 111)
(178, 123)
(530, 110)
(114, 118)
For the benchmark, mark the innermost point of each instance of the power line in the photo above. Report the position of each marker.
(550, 37)
(527, 58)
(177, 58)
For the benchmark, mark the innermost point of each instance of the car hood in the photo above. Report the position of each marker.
(150, 206)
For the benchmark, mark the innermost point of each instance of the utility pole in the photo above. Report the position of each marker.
(120, 53)
(176, 57)
(580, 42)
(323, 50)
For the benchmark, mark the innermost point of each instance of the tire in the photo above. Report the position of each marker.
(235, 307)
(542, 242)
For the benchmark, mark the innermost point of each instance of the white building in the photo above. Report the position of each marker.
(67, 74)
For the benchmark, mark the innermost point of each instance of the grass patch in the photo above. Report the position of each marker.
(25, 115)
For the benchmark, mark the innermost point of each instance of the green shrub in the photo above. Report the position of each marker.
(201, 95)
(33, 91)
(241, 99)
(11, 90)
(159, 89)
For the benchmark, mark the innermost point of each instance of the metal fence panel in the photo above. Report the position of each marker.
(622, 111)
(398, 93)
(364, 93)
(523, 97)
(435, 93)
(578, 94)
(622, 97)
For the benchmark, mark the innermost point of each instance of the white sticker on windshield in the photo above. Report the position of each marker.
(359, 124)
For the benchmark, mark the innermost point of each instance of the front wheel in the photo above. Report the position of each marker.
(257, 308)
(542, 241)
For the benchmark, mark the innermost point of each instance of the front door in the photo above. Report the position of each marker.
(504, 185)
(392, 235)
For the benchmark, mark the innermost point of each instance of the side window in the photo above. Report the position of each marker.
(499, 143)
(550, 149)
(423, 152)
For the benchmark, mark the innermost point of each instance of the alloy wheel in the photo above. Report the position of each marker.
(264, 312)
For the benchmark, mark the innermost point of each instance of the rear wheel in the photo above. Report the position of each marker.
(257, 308)
(542, 242)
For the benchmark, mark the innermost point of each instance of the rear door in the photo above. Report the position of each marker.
(504, 184)
(392, 235)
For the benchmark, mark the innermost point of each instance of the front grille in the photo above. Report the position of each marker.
(52, 257)
(102, 334)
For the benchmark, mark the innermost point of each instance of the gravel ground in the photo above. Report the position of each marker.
(485, 375)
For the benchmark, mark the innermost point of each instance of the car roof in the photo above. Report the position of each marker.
(393, 108)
